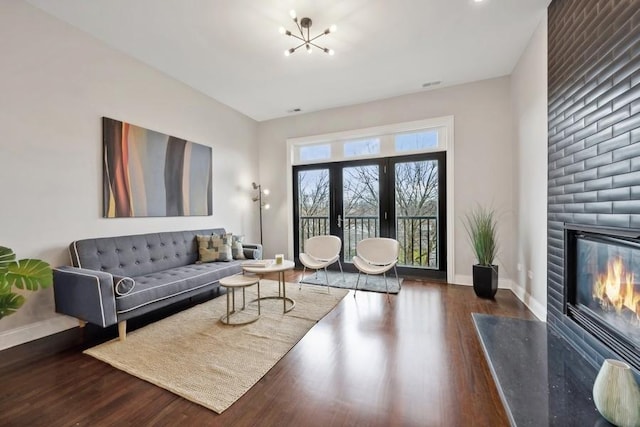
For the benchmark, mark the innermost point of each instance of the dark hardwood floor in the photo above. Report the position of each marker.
(415, 361)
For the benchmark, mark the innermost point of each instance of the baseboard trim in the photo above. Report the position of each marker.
(34, 331)
(538, 310)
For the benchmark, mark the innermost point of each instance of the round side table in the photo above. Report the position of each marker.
(273, 267)
(238, 281)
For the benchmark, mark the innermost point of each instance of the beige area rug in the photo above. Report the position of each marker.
(194, 355)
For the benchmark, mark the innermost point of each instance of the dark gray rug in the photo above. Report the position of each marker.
(373, 284)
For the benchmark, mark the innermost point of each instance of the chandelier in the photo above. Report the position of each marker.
(307, 41)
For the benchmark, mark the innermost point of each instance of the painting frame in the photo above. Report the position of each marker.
(151, 174)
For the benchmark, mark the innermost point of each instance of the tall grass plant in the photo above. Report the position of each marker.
(481, 226)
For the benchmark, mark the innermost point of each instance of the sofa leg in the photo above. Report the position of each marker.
(122, 330)
(82, 323)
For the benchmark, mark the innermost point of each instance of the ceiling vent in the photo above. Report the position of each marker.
(430, 84)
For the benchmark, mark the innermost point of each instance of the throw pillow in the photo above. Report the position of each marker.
(223, 245)
(237, 251)
(206, 250)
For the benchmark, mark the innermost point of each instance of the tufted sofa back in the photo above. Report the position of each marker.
(140, 254)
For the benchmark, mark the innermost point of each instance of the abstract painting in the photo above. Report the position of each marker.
(150, 174)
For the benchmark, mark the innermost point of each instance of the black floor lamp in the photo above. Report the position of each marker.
(261, 204)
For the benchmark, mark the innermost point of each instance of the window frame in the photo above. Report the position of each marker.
(445, 126)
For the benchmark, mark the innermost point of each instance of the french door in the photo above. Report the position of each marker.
(399, 197)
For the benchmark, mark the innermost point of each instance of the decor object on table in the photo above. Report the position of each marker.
(25, 274)
(113, 279)
(376, 255)
(319, 253)
(307, 40)
(150, 174)
(616, 394)
(195, 356)
(261, 203)
(258, 263)
(481, 228)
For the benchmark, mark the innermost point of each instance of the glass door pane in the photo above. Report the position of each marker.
(416, 208)
(313, 204)
(403, 198)
(360, 206)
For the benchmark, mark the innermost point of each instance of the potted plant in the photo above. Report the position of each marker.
(26, 274)
(481, 228)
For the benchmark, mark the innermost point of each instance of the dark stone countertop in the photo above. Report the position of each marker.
(542, 381)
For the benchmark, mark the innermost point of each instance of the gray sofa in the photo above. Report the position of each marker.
(117, 278)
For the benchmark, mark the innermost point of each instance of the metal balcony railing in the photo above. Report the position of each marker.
(417, 235)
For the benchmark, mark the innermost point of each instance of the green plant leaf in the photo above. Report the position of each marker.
(481, 227)
(30, 274)
(7, 257)
(10, 303)
(5, 288)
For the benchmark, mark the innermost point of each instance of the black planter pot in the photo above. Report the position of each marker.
(485, 280)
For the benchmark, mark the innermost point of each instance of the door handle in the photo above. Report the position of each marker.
(339, 221)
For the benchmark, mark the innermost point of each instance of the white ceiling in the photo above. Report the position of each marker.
(231, 50)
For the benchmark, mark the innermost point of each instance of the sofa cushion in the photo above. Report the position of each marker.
(154, 287)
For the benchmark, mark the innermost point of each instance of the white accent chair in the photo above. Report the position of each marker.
(319, 253)
(376, 255)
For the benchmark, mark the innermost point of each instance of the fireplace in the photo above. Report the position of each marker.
(602, 292)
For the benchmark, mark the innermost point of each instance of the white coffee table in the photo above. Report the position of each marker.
(238, 281)
(282, 290)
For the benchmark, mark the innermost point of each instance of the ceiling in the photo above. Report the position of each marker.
(231, 50)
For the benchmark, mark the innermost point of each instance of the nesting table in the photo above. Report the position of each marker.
(273, 267)
(238, 281)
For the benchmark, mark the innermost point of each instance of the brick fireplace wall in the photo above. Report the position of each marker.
(594, 135)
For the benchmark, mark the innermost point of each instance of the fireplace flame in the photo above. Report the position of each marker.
(616, 288)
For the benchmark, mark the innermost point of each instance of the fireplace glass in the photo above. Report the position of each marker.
(607, 284)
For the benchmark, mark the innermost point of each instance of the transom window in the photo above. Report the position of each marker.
(312, 153)
(389, 141)
(362, 147)
(417, 141)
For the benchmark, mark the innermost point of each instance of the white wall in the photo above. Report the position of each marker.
(529, 97)
(483, 152)
(55, 85)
